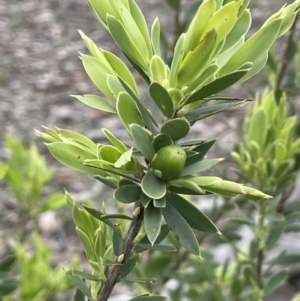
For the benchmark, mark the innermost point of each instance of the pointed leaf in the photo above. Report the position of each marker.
(205, 111)
(124, 41)
(260, 42)
(98, 72)
(149, 298)
(152, 220)
(199, 166)
(145, 114)
(128, 110)
(129, 265)
(84, 275)
(216, 86)
(196, 219)
(181, 229)
(121, 70)
(275, 281)
(164, 231)
(141, 280)
(142, 141)
(114, 140)
(192, 65)
(162, 98)
(202, 149)
(160, 203)
(155, 36)
(80, 284)
(72, 156)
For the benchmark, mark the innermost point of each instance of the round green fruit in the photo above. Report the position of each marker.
(168, 162)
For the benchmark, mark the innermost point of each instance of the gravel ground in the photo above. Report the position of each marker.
(39, 69)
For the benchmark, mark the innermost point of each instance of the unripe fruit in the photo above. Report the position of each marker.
(168, 162)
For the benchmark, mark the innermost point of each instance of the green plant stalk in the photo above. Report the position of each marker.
(261, 239)
(133, 231)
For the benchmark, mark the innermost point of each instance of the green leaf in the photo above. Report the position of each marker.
(196, 29)
(205, 111)
(7, 284)
(141, 280)
(160, 203)
(286, 259)
(152, 220)
(174, 4)
(116, 215)
(128, 110)
(98, 215)
(182, 182)
(96, 102)
(123, 40)
(162, 98)
(260, 43)
(142, 141)
(124, 159)
(86, 241)
(149, 298)
(202, 149)
(98, 72)
(7, 263)
(160, 141)
(176, 128)
(74, 136)
(155, 247)
(178, 53)
(192, 65)
(121, 70)
(72, 156)
(257, 129)
(80, 284)
(158, 69)
(114, 140)
(275, 281)
(146, 115)
(140, 21)
(155, 36)
(181, 229)
(153, 186)
(240, 28)
(216, 86)
(195, 218)
(115, 85)
(128, 194)
(79, 295)
(224, 19)
(164, 231)
(129, 265)
(84, 275)
(199, 167)
(117, 240)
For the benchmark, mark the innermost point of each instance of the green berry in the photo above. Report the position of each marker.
(168, 162)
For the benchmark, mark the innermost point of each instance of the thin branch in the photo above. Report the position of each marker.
(127, 249)
(285, 59)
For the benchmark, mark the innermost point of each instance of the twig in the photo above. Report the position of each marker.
(127, 249)
(176, 23)
(285, 59)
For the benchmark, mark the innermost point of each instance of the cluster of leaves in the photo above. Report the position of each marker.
(28, 277)
(159, 168)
